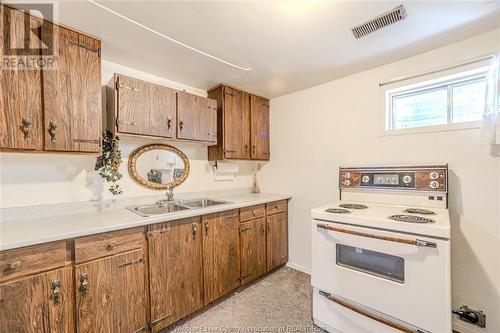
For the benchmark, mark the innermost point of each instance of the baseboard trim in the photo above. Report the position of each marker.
(299, 267)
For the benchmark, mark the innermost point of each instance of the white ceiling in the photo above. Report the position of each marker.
(289, 45)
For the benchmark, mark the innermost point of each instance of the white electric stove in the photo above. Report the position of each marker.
(381, 254)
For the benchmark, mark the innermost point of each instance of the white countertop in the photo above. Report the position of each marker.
(25, 232)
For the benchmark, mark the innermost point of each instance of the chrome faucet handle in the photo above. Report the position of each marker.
(170, 193)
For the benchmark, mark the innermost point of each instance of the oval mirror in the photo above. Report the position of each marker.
(158, 166)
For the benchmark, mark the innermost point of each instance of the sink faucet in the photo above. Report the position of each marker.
(170, 196)
(170, 193)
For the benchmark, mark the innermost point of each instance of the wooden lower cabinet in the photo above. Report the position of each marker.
(175, 271)
(126, 282)
(40, 303)
(221, 254)
(253, 249)
(110, 294)
(277, 240)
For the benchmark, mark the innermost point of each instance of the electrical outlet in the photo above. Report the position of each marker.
(475, 317)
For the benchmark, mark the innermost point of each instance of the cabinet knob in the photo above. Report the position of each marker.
(169, 124)
(111, 246)
(52, 131)
(254, 212)
(25, 128)
(15, 264)
(181, 124)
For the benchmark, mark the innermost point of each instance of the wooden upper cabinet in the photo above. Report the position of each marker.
(176, 270)
(197, 118)
(72, 91)
(236, 124)
(111, 294)
(243, 125)
(277, 240)
(144, 108)
(221, 254)
(259, 128)
(20, 90)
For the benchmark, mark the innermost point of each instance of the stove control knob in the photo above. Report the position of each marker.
(407, 179)
(347, 182)
(347, 175)
(434, 175)
(365, 179)
(434, 184)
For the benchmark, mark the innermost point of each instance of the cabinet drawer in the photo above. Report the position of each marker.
(96, 246)
(252, 212)
(276, 207)
(32, 260)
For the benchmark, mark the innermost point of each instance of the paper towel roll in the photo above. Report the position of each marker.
(225, 170)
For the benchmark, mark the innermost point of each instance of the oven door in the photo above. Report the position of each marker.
(403, 276)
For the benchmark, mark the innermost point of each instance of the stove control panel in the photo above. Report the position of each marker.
(419, 178)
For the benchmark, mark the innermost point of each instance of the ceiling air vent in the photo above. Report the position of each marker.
(379, 22)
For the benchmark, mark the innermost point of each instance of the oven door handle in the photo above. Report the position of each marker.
(362, 312)
(416, 242)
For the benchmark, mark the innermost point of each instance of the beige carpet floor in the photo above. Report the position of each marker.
(280, 302)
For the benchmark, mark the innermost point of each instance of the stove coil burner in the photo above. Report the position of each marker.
(338, 211)
(410, 219)
(419, 211)
(353, 206)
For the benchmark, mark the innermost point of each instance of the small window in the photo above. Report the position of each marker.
(445, 102)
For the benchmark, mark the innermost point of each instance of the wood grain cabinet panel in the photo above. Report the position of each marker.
(252, 212)
(145, 108)
(32, 260)
(259, 128)
(72, 92)
(197, 118)
(277, 240)
(20, 90)
(111, 294)
(253, 249)
(40, 303)
(176, 270)
(243, 125)
(109, 243)
(236, 124)
(221, 254)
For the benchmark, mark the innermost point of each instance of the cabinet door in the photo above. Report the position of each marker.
(41, 303)
(72, 92)
(221, 254)
(197, 118)
(253, 249)
(277, 240)
(145, 108)
(236, 124)
(20, 90)
(175, 271)
(24, 305)
(259, 128)
(110, 295)
(209, 120)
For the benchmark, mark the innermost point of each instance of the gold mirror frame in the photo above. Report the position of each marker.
(132, 166)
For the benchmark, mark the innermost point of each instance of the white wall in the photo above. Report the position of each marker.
(34, 179)
(314, 131)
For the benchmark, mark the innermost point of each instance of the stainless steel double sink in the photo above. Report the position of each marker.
(167, 207)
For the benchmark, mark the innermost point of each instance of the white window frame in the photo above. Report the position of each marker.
(424, 84)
